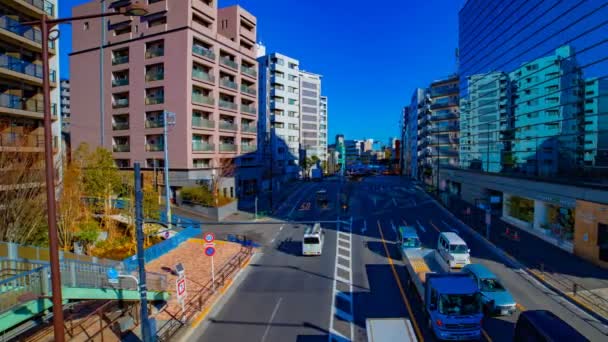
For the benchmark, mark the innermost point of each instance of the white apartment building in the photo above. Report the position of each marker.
(313, 139)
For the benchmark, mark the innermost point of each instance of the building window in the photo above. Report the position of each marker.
(155, 49)
(150, 2)
(157, 20)
(86, 26)
(122, 28)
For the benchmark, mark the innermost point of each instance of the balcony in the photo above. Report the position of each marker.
(247, 70)
(227, 104)
(14, 140)
(248, 90)
(116, 60)
(24, 67)
(202, 146)
(444, 116)
(120, 125)
(120, 82)
(228, 83)
(436, 92)
(228, 126)
(444, 128)
(156, 75)
(202, 99)
(202, 75)
(198, 122)
(249, 128)
(46, 6)
(154, 123)
(224, 147)
(153, 52)
(248, 148)
(250, 109)
(121, 148)
(229, 62)
(120, 103)
(444, 104)
(204, 52)
(153, 100)
(155, 147)
(25, 31)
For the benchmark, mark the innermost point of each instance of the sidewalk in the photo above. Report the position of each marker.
(578, 279)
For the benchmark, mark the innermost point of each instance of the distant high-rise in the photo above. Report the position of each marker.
(313, 139)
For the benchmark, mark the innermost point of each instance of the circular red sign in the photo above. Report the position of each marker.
(209, 237)
(209, 251)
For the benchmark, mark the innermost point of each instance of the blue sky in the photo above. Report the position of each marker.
(371, 57)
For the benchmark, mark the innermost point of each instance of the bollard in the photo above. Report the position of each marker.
(574, 289)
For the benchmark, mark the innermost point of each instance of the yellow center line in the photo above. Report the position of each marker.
(485, 334)
(434, 226)
(520, 307)
(405, 300)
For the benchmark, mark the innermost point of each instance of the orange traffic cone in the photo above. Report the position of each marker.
(516, 236)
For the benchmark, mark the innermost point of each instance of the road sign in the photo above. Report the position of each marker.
(180, 285)
(112, 276)
(209, 237)
(209, 250)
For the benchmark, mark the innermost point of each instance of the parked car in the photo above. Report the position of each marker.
(495, 297)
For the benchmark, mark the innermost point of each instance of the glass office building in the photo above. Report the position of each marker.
(533, 88)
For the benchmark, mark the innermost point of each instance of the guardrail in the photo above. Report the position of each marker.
(199, 300)
(22, 288)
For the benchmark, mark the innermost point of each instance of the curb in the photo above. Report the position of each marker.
(225, 293)
(516, 264)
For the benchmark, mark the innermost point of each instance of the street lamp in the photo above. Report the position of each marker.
(46, 24)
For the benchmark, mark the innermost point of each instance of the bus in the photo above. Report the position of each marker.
(314, 236)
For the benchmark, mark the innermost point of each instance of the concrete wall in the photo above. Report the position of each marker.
(217, 214)
(588, 216)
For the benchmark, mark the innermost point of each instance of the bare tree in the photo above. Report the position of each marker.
(226, 168)
(22, 196)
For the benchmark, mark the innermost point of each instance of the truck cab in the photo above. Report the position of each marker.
(453, 306)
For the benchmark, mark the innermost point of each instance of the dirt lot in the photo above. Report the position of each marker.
(196, 265)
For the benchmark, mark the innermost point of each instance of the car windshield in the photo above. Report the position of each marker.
(459, 249)
(311, 240)
(491, 285)
(411, 243)
(460, 304)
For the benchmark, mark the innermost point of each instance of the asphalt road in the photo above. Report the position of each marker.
(288, 297)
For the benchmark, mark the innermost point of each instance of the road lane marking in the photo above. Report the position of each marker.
(393, 227)
(364, 227)
(344, 276)
(434, 226)
(403, 297)
(394, 201)
(274, 313)
(485, 334)
(421, 227)
(404, 221)
(281, 228)
(451, 228)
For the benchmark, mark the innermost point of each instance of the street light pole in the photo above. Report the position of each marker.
(50, 187)
(166, 165)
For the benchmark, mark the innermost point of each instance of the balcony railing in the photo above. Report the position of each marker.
(120, 59)
(155, 52)
(227, 147)
(121, 148)
(154, 147)
(44, 5)
(229, 126)
(120, 126)
(444, 91)
(248, 109)
(25, 31)
(202, 75)
(155, 76)
(248, 148)
(24, 67)
(152, 100)
(200, 98)
(443, 116)
(249, 128)
(202, 146)
(120, 82)
(21, 140)
(228, 83)
(444, 104)
(248, 90)
(202, 123)
(443, 128)
(30, 105)
(121, 103)
(229, 62)
(203, 51)
(227, 104)
(249, 70)
(154, 123)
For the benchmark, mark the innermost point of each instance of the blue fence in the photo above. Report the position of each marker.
(162, 248)
(180, 221)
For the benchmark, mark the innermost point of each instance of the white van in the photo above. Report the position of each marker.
(314, 236)
(453, 250)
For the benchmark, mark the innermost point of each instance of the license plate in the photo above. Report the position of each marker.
(504, 312)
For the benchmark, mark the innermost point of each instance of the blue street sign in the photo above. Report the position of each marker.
(209, 251)
(112, 275)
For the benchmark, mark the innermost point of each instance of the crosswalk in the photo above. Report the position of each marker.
(342, 311)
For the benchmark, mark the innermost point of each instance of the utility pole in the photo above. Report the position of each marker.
(139, 221)
(168, 119)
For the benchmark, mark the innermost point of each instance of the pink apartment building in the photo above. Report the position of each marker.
(186, 57)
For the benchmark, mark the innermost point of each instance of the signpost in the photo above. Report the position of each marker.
(209, 238)
(112, 276)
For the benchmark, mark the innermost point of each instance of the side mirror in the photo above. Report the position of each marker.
(469, 251)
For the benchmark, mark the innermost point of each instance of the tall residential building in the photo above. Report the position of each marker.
(485, 122)
(279, 112)
(323, 127)
(21, 95)
(65, 105)
(310, 116)
(185, 57)
(596, 122)
(417, 113)
(353, 152)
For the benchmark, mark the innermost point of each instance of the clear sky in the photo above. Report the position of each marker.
(372, 54)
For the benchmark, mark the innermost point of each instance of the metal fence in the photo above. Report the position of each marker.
(23, 287)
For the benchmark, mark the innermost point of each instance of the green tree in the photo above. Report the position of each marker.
(70, 207)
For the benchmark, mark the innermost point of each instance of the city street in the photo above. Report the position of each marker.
(288, 297)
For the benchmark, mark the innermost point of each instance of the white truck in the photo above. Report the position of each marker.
(390, 330)
(451, 301)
